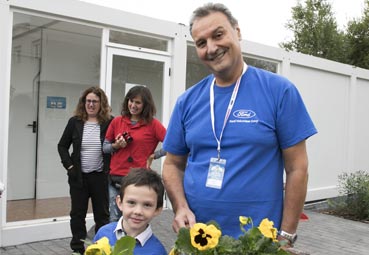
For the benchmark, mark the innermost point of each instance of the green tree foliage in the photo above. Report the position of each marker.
(315, 31)
(357, 37)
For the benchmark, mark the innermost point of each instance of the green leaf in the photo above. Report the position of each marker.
(229, 245)
(183, 242)
(124, 246)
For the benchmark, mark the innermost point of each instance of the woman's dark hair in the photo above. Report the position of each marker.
(144, 177)
(209, 8)
(105, 110)
(148, 109)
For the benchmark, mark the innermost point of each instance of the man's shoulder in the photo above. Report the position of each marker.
(197, 89)
(257, 71)
(202, 83)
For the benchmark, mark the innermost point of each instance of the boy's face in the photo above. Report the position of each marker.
(138, 208)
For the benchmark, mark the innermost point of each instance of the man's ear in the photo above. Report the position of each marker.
(238, 30)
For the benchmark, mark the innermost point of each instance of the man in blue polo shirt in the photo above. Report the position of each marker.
(232, 135)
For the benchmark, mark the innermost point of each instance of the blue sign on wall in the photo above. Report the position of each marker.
(56, 102)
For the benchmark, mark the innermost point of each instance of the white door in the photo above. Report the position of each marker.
(23, 122)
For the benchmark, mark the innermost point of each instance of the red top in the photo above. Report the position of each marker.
(145, 140)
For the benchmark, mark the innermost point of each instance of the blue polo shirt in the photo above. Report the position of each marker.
(267, 117)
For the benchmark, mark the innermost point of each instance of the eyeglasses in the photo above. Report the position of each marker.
(89, 101)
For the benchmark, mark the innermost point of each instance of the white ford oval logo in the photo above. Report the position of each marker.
(244, 114)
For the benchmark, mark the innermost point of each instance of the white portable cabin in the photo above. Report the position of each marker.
(52, 50)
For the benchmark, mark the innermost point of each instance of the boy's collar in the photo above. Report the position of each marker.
(141, 238)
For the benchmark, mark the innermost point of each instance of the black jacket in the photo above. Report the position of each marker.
(72, 134)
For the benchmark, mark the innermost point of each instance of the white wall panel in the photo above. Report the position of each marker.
(360, 134)
(326, 97)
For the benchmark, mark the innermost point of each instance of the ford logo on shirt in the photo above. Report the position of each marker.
(244, 114)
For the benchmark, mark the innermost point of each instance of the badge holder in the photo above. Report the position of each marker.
(216, 173)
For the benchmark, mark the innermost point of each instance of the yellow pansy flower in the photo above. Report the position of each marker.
(204, 236)
(244, 220)
(101, 247)
(267, 229)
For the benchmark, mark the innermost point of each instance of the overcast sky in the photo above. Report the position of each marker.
(261, 21)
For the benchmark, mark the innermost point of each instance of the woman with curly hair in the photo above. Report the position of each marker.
(87, 166)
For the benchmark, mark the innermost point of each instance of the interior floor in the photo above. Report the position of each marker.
(30, 209)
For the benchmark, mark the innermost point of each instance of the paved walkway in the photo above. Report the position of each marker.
(321, 234)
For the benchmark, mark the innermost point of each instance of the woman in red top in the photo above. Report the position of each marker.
(132, 139)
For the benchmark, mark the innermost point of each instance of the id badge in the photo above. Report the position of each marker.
(215, 173)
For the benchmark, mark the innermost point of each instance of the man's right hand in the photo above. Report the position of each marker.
(184, 218)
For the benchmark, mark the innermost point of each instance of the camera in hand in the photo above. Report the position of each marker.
(127, 137)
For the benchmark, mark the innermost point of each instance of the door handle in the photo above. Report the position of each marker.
(34, 126)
